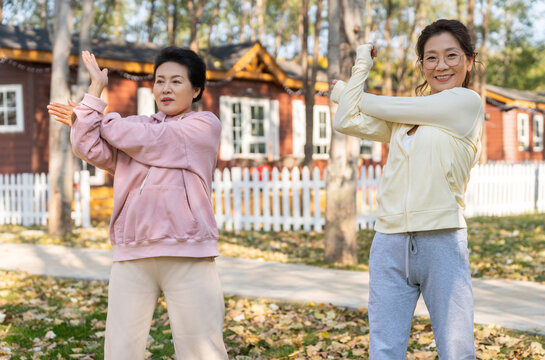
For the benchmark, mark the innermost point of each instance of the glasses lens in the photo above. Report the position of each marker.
(452, 59)
(430, 63)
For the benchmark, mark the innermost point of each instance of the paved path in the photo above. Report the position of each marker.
(511, 304)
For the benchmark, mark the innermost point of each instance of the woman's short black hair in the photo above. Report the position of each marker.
(196, 68)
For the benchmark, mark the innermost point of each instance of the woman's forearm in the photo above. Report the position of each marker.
(96, 89)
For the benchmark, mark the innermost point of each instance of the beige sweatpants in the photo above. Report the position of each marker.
(194, 302)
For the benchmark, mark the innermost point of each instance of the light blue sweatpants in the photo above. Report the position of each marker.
(434, 263)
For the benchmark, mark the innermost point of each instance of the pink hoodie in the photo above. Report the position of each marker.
(163, 168)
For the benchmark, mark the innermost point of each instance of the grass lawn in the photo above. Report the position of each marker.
(510, 247)
(49, 318)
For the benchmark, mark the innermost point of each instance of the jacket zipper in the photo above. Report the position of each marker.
(144, 182)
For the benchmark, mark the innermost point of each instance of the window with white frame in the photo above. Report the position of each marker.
(250, 128)
(11, 108)
(371, 150)
(537, 128)
(523, 130)
(321, 132)
(366, 148)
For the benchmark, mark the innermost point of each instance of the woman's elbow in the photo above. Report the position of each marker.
(340, 123)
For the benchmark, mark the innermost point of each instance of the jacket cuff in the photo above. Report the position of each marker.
(94, 103)
(337, 91)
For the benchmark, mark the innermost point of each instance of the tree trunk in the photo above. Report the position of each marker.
(84, 44)
(172, 21)
(471, 20)
(368, 20)
(260, 5)
(118, 31)
(459, 10)
(60, 154)
(309, 118)
(404, 65)
(388, 39)
(279, 29)
(43, 14)
(1, 8)
(482, 77)
(243, 22)
(211, 26)
(309, 87)
(195, 13)
(151, 18)
(340, 224)
(253, 24)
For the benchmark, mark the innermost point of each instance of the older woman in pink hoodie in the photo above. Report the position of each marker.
(162, 230)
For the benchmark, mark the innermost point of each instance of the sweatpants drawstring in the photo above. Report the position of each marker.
(410, 246)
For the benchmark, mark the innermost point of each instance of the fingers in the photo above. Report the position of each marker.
(71, 103)
(374, 50)
(61, 112)
(61, 118)
(60, 108)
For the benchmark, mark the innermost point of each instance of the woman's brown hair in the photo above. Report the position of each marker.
(456, 29)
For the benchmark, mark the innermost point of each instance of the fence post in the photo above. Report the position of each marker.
(236, 177)
(217, 185)
(536, 187)
(85, 194)
(3, 213)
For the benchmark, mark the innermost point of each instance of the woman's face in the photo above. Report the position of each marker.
(444, 63)
(172, 89)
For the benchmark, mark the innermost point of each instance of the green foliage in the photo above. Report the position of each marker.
(521, 67)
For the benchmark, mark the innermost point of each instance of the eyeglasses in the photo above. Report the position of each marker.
(431, 62)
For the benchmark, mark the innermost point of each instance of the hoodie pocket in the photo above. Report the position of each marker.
(159, 212)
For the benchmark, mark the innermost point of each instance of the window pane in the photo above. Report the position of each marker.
(366, 148)
(1, 100)
(257, 113)
(323, 125)
(257, 148)
(237, 128)
(320, 149)
(12, 117)
(10, 97)
(2, 118)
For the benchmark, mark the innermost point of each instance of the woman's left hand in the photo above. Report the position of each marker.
(63, 113)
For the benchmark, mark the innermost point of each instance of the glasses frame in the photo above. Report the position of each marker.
(445, 60)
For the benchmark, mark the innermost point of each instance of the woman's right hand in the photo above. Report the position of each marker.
(99, 78)
(63, 113)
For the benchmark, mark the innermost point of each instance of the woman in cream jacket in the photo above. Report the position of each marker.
(420, 244)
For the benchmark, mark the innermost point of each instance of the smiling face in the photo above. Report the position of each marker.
(172, 89)
(444, 63)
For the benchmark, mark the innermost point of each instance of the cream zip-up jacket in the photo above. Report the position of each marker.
(422, 189)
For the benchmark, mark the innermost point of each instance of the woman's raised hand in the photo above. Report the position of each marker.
(63, 113)
(99, 78)
(365, 54)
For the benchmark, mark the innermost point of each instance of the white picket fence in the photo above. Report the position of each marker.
(499, 189)
(293, 200)
(24, 199)
(286, 200)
